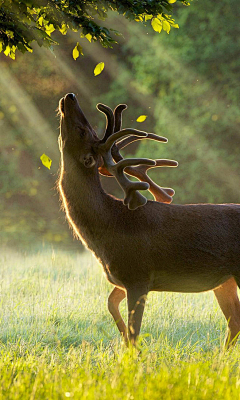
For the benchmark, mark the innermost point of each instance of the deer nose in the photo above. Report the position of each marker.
(71, 96)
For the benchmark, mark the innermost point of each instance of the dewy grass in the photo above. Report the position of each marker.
(58, 341)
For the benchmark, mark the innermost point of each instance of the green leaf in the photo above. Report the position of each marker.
(156, 24)
(99, 68)
(77, 51)
(46, 161)
(141, 118)
(166, 26)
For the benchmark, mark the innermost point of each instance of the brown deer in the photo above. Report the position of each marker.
(143, 245)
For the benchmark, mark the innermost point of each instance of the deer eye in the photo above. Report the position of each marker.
(80, 131)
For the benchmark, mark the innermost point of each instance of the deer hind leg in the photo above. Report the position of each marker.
(114, 299)
(136, 302)
(228, 300)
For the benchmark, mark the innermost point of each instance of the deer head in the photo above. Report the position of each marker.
(79, 140)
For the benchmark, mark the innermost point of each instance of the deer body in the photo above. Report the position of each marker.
(157, 247)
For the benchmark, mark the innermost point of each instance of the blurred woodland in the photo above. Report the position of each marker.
(187, 83)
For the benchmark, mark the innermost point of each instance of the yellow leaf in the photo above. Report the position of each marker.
(139, 18)
(40, 21)
(49, 29)
(46, 161)
(89, 37)
(148, 16)
(174, 25)
(156, 24)
(1, 46)
(166, 26)
(7, 51)
(76, 51)
(63, 29)
(99, 68)
(141, 118)
(172, 1)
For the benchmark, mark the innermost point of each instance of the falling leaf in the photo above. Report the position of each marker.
(99, 68)
(77, 50)
(141, 118)
(156, 24)
(166, 26)
(46, 161)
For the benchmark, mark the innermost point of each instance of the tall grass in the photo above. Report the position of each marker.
(58, 341)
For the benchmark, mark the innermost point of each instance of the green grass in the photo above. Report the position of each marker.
(58, 341)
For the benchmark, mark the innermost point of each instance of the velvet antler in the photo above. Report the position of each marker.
(115, 165)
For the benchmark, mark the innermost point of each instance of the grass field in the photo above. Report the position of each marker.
(58, 340)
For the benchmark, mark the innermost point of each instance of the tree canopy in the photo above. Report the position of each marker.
(25, 21)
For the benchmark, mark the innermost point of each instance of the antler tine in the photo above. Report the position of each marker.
(109, 120)
(133, 199)
(118, 116)
(125, 142)
(117, 135)
(164, 195)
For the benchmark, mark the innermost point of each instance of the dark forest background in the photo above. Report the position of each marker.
(187, 83)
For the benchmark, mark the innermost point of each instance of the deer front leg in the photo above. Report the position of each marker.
(227, 298)
(136, 302)
(114, 299)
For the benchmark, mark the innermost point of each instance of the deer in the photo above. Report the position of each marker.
(143, 245)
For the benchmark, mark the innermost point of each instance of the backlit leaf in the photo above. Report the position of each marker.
(40, 21)
(148, 16)
(49, 29)
(63, 29)
(99, 68)
(166, 26)
(7, 50)
(141, 118)
(156, 24)
(46, 161)
(89, 37)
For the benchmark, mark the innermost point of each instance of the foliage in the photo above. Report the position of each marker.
(25, 21)
(187, 83)
(59, 341)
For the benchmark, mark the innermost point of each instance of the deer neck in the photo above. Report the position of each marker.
(85, 202)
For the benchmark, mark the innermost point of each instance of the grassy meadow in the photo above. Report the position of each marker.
(58, 341)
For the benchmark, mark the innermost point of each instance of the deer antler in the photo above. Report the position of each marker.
(110, 120)
(115, 165)
(133, 199)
